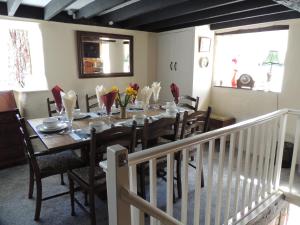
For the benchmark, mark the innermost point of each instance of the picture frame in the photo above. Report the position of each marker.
(204, 44)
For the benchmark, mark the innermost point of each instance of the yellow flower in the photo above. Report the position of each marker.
(130, 91)
(115, 88)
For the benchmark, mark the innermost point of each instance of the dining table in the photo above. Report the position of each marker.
(78, 137)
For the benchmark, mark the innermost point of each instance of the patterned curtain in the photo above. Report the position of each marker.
(19, 59)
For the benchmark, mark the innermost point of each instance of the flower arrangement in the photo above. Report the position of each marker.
(135, 87)
(124, 98)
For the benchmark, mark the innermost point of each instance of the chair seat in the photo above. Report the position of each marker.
(59, 163)
(83, 175)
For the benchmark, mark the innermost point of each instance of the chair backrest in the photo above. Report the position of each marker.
(51, 106)
(197, 122)
(164, 127)
(90, 102)
(125, 136)
(195, 102)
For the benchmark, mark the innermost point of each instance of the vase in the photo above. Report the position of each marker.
(123, 114)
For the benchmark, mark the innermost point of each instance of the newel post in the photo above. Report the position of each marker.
(117, 177)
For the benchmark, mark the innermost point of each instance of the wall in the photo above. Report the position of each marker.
(60, 56)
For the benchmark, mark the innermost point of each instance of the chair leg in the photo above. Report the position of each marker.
(72, 197)
(86, 203)
(38, 203)
(62, 182)
(31, 181)
(92, 208)
(178, 176)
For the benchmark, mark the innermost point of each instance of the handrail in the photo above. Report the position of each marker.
(146, 207)
(162, 150)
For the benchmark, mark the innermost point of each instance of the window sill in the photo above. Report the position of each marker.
(246, 89)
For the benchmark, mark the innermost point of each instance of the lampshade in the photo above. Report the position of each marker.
(272, 58)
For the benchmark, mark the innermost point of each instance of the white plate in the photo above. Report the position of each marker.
(81, 116)
(60, 126)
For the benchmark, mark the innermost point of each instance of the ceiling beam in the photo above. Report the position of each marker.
(256, 20)
(278, 9)
(176, 10)
(292, 4)
(98, 6)
(137, 9)
(55, 6)
(12, 6)
(211, 13)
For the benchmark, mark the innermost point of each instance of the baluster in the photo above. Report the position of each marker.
(295, 153)
(253, 165)
(185, 187)
(246, 170)
(170, 180)
(209, 181)
(238, 172)
(281, 137)
(229, 180)
(197, 197)
(153, 185)
(267, 159)
(135, 220)
(272, 160)
(260, 160)
(220, 179)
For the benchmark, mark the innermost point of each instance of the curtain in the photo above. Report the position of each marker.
(19, 59)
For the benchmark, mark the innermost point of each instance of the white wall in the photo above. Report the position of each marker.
(60, 56)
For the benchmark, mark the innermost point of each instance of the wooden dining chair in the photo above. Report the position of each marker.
(193, 105)
(193, 124)
(91, 178)
(91, 102)
(51, 106)
(44, 164)
(157, 133)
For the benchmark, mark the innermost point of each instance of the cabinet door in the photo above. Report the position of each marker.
(165, 64)
(183, 56)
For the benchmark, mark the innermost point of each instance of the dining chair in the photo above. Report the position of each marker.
(186, 98)
(44, 164)
(91, 178)
(51, 106)
(193, 124)
(91, 102)
(157, 133)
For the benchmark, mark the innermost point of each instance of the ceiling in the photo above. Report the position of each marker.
(154, 15)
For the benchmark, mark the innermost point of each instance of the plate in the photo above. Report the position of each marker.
(42, 128)
(128, 123)
(81, 116)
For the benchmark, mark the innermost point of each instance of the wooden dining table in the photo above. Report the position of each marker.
(55, 142)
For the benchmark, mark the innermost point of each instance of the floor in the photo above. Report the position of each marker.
(17, 209)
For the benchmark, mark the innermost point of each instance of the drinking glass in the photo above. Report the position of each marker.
(60, 111)
(70, 118)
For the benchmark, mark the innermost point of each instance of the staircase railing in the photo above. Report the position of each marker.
(241, 166)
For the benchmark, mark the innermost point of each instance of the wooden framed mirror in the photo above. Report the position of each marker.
(104, 55)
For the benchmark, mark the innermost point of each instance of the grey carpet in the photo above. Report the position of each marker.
(17, 209)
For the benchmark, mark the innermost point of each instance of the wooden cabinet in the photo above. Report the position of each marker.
(11, 144)
(175, 60)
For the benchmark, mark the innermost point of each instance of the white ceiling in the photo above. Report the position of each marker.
(42, 3)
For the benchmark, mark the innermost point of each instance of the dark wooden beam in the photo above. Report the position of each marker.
(176, 10)
(12, 6)
(98, 6)
(292, 4)
(195, 18)
(256, 20)
(234, 17)
(56, 6)
(137, 9)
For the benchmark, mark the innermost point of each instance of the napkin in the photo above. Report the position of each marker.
(145, 95)
(100, 90)
(69, 102)
(156, 89)
(57, 98)
(108, 100)
(175, 92)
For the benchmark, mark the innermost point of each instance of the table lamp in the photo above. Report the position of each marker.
(272, 59)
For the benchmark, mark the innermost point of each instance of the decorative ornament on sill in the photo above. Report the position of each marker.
(271, 60)
(245, 81)
(233, 80)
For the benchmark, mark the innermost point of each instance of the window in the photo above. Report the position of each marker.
(21, 57)
(257, 58)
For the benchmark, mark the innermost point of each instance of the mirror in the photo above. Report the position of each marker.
(104, 55)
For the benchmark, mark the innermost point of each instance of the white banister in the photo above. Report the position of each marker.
(153, 185)
(185, 186)
(170, 182)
